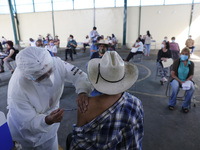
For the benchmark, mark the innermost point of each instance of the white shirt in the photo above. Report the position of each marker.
(32, 43)
(140, 48)
(3, 40)
(53, 49)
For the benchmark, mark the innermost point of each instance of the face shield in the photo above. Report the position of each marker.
(36, 64)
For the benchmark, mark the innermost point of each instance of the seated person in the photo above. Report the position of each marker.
(39, 43)
(190, 44)
(57, 41)
(175, 50)
(138, 44)
(32, 42)
(11, 53)
(86, 43)
(51, 47)
(94, 47)
(115, 119)
(182, 71)
(71, 45)
(163, 54)
(102, 48)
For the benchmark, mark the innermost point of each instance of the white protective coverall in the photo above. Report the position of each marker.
(29, 102)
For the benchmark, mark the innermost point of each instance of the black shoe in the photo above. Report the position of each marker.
(171, 107)
(161, 82)
(1, 71)
(185, 110)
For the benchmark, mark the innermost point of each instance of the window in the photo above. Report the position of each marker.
(82, 4)
(152, 2)
(119, 3)
(196, 1)
(172, 2)
(104, 3)
(133, 2)
(62, 4)
(23, 5)
(4, 9)
(44, 5)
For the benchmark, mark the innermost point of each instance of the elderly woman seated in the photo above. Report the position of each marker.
(163, 54)
(113, 120)
(182, 74)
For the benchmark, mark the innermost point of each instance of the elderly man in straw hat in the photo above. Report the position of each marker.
(113, 120)
(102, 48)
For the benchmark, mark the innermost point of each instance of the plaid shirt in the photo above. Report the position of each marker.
(118, 128)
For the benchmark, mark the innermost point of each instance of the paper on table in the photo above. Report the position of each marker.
(168, 63)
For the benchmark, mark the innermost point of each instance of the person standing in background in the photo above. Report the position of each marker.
(147, 42)
(175, 50)
(190, 44)
(93, 35)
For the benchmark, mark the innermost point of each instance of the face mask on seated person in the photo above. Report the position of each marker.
(162, 45)
(184, 57)
(51, 44)
(102, 51)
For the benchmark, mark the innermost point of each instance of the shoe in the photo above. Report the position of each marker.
(185, 110)
(161, 82)
(1, 71)
(171, 107)
(164, 79)
(12, 71)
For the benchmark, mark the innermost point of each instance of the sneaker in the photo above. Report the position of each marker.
(164, 79)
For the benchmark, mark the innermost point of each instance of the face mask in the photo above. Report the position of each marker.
(162, 45)
(166, 40)
(102, 51)
(184, 57)
(108, 38)
(70, 39)
(51, 44)
(173, 41)
(190, 37)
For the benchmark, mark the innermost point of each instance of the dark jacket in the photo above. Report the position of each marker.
(161, 54)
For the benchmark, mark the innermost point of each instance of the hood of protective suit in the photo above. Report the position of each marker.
(33, 62)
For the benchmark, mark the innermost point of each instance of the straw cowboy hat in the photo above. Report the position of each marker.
(110, 74)
(102, 42)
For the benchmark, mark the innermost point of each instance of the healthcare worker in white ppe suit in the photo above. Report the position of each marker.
(34, 92)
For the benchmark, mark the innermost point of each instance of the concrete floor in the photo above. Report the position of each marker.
(163, 129)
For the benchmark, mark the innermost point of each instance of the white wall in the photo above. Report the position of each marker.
(170, 20)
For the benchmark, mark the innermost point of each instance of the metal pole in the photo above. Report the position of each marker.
(115, 3)
(125, 20)
(53, 19)
(73, 4)
(13, 22)
(139, 19)
(164, 2)
(33, 6)
(94, 12)
(16, 18)
(191, 15)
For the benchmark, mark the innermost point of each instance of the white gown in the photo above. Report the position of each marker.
(29, 104)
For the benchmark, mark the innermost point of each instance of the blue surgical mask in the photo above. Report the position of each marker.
(51, 44)
(70, 39)
(184, 57)
(173, 41)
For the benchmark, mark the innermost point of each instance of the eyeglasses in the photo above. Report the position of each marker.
(44, 76)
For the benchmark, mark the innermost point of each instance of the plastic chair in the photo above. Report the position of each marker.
(153, 43)
(181, 98)
(6, 142)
